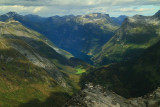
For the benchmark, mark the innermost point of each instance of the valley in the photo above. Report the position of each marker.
(82, 35)
(66, 60)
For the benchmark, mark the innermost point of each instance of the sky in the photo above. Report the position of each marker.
(47, 8)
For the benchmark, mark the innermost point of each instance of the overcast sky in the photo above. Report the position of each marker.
(77, 7)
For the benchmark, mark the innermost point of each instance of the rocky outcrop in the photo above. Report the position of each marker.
(97, 96)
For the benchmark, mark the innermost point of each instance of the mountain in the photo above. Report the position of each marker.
(82, 35)
(86, 33)
(157, 14)
(130, 79)
(119, 20)
(35, 18)
(98, 96)
(33, 69)
(15, 16)
(135, 35)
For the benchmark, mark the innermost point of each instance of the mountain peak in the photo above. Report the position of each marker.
(157, 14)
(11, 14)
(122, 16)
(100, 14)
(97, 15)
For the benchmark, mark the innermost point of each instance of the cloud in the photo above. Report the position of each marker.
(19, 8)
(135, 10)
(78, 2)
(53, 7)
(38, 9)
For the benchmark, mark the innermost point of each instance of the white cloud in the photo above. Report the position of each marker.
(38, 9)
(15, 8)
(134, 10)
(78, 2)
(63, 7)
(20, 9)
(144, 9)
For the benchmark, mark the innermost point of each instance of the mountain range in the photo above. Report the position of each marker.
(44, 60)
(136, 34)
(81, 35)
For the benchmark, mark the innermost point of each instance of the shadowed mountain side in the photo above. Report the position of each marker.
(130, 79)
(54, 100)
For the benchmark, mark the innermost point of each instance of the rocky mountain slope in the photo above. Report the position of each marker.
(31, 68)
(135, 35)
(97, 96)
(80, 35)
(122, 78)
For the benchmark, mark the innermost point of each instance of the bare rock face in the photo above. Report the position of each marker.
(97, 96)
(42, 62)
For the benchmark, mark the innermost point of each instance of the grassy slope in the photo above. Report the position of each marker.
(21, 81)
(24, 83)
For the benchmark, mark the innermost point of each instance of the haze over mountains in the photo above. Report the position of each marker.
(44, 61)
